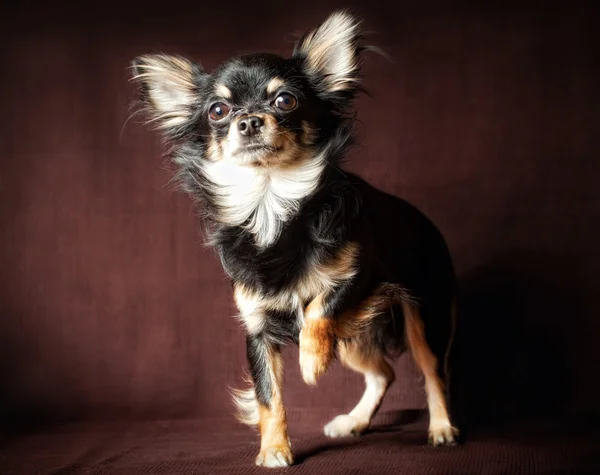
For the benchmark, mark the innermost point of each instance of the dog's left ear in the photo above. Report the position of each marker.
(330, 54)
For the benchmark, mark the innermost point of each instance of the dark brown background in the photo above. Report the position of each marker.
(487, 119)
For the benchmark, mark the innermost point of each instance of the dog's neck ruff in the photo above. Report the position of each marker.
(261, 199)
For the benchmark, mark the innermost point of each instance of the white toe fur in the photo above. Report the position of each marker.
(274, 457)
(442, 435)
(344, 426)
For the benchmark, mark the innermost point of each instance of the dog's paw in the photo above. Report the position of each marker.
(312, 366)
(316, 351)
(275, 456)
(344, 426)
(442, 435)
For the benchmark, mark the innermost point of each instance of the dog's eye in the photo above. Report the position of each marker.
(218, 111)
(286, 102)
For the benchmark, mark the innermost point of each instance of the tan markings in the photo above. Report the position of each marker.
(309, 134)
(282, 140)
(223, 91)
(274, 85)
(170, 85)
(352, 322)
(324, 276)
(275, 447)
(289, 153)
(270, 121)
(318, 330)
(290, 157)
(378, 374)
(453, 317)
(330, 50)
(253, 306)
(214, 150)
(315, 309)
(441, 431)
(316, 341)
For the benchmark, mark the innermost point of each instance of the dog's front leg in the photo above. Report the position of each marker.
(316, 340)
(266, 367)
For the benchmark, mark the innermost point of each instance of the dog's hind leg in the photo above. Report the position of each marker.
(378, 377)
(424, 351)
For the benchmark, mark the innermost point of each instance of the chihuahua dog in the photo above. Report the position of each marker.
(316, 255)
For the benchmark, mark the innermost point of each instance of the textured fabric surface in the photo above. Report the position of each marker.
(219, 446)
(111, 308)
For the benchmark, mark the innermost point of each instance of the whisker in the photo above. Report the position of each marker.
(131, 116)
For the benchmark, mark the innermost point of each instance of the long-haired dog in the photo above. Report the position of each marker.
(316, 255)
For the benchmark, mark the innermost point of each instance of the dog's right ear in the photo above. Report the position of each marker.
(170, 88)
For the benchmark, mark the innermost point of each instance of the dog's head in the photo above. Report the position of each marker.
(258, 110)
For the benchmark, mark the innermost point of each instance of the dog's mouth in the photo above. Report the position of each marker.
(256, 153)
(256, 148)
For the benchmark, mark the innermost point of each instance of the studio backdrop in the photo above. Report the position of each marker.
(110, 303)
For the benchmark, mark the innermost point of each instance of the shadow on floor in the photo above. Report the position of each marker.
(509, 359)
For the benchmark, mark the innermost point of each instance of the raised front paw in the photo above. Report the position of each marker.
(316, 350)
(275, 456)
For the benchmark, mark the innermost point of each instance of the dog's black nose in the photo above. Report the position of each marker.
(250, 125)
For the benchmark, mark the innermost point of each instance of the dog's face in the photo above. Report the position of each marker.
(258, 110)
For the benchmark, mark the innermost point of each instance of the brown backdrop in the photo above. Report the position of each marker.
(486, 118)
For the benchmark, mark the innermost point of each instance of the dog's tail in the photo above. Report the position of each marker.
(247, 405)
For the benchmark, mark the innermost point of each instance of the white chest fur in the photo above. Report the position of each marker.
(260, 198)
